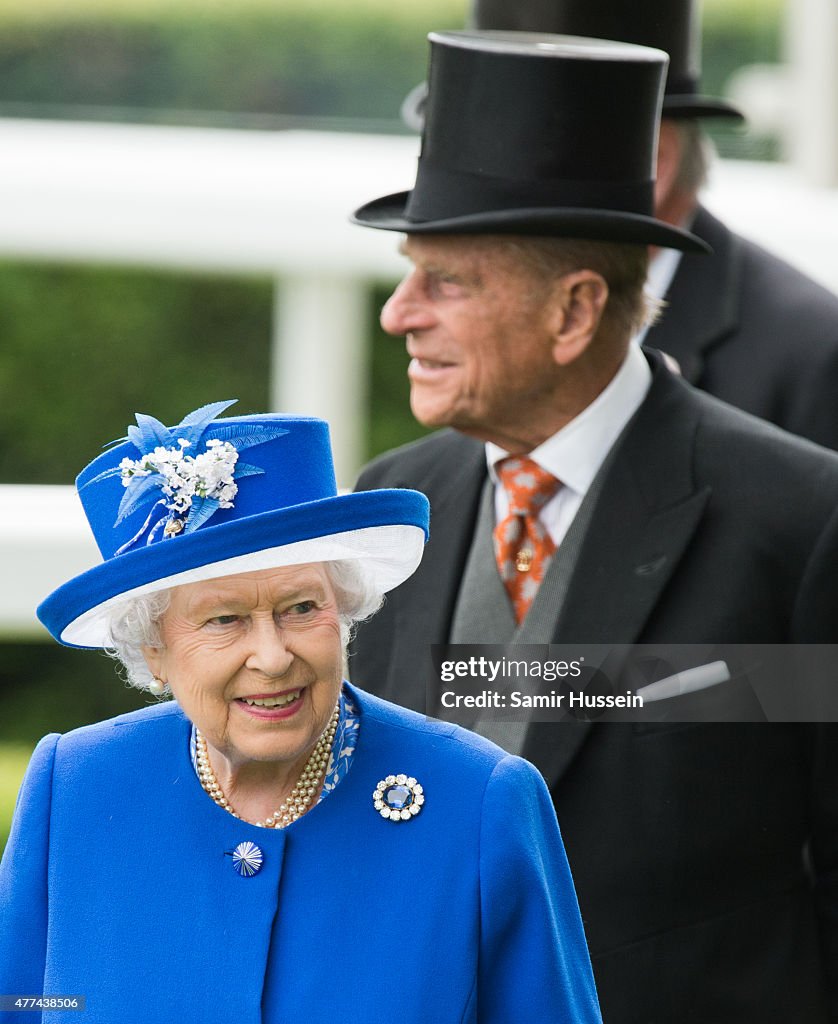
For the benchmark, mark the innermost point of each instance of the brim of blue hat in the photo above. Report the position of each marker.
(388, 214)
(385, 530)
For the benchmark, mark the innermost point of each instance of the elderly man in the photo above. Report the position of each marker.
(743, 325)
(588, 495)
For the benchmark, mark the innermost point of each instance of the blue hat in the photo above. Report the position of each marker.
(215, 497)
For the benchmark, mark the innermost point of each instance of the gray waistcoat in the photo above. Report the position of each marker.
(483, 613)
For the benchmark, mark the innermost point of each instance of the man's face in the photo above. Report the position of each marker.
(478, 331)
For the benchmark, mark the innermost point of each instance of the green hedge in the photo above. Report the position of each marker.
(275, 58)
(84, 347)
(279, 58)
(47, 688)
(13, 761)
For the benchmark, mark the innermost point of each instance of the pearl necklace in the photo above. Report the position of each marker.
(298, 800)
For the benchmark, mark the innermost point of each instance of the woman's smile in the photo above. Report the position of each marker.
(272, 707)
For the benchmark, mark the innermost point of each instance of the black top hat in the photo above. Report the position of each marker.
(539, 135)
(670, 25)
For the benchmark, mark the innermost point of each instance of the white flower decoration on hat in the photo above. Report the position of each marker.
(195, 486)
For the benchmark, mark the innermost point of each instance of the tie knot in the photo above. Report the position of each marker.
(528, 487)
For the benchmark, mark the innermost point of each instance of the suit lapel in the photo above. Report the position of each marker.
(702, 302)
(646, 515)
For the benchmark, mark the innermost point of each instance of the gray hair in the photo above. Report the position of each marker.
(696, 157)
(135, 623)
(622, 265)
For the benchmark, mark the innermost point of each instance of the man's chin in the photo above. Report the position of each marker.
(432, 415)
(439, 420)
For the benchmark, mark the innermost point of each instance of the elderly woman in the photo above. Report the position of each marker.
(271, 844)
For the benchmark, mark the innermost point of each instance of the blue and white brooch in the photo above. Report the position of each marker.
(247, 859)
(398, 797)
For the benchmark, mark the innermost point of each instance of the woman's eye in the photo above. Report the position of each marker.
(223, 620)
(301, 608)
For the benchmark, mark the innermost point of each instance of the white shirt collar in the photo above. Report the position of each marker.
(575, 453)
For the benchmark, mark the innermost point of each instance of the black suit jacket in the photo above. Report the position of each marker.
(705, 856)
(755, 332)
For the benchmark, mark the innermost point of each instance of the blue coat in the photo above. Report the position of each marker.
(117, 885)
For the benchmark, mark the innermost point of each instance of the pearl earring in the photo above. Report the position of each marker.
(156, 686)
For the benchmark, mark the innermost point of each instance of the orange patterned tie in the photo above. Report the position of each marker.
(523, 547)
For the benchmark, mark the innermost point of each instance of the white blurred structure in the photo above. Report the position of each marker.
(812, 54)
(797, 101)
(276, 203)
(44, 540)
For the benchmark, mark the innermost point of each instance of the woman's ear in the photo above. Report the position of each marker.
(154, 659)
(580, 302)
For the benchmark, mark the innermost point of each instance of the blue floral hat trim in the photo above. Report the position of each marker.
(170, 505)
(193, 487)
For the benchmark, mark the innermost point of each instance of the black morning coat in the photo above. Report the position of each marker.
(705, 856)
(755, 332)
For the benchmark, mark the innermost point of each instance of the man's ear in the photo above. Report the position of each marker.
(580, 302)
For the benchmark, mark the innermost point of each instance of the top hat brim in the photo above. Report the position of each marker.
(684, 105)
(388, 214)
(384, 529)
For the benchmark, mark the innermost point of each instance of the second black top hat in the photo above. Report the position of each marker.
(669, 25)
(673, 26)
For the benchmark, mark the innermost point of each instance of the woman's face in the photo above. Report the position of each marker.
(255, 660)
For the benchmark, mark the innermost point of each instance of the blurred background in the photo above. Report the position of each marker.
(175, 182)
